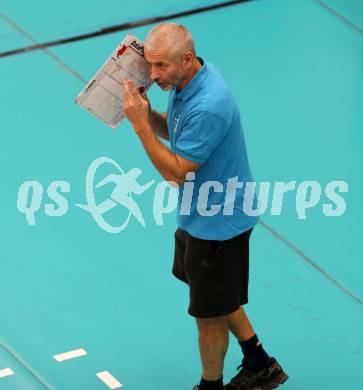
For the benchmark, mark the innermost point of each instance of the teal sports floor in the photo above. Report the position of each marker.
(296, 70)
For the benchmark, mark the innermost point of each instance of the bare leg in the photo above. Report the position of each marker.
(239, 325)
(213, 345)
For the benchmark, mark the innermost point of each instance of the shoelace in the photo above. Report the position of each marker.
(243, 378)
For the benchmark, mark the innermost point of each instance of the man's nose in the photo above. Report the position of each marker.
(154, 75)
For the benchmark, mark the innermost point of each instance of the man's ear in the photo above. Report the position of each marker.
(188, 59)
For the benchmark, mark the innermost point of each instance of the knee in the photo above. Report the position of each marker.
(211, 323)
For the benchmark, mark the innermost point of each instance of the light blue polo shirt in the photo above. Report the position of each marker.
(204, 126)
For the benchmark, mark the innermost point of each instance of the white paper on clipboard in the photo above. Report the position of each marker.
(103, 94)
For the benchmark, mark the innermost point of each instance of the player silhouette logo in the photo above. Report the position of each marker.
(125, 185)
(176, 122)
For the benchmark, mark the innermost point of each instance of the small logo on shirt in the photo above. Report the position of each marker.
(176, 121)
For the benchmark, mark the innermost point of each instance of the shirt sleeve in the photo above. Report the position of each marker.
(201, 132)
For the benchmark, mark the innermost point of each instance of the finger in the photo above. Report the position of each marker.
(125, 86)
(132, 87)
(146, 99)
(129, 90)
(130, 83)
(127, 93)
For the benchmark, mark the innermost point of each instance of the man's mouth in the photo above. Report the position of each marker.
(164, 85)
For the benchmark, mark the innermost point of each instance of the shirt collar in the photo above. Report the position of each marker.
(193, 85)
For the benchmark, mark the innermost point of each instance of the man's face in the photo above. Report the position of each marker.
(165, 71)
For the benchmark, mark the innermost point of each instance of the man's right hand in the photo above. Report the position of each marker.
(148, 101)
(157, 120)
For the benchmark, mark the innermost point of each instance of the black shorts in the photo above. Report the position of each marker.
(216, 271)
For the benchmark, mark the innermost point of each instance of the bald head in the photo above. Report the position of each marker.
(169, 50)
(171, 38)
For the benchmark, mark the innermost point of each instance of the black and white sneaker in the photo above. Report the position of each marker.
(268, 378)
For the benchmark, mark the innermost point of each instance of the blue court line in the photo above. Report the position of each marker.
(311, 262)
(23, 364)
(339, 15)
(26, 35)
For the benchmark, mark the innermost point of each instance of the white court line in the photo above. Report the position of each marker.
(70, 355)
(6, 372)
(109, 380)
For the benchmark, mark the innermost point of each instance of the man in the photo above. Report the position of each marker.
(203, 126)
